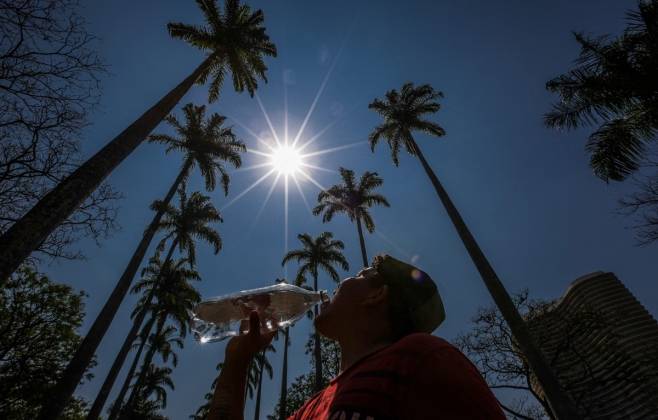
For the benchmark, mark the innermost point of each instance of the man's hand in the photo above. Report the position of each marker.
(243, 348)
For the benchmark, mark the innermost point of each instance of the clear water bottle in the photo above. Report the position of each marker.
(278, 306)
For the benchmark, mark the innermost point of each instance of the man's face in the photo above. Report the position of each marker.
(346, 305)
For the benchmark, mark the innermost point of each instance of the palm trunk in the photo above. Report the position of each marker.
(138, 256)
(559, 401)
(101, 398)
(117, 405)
(258, 391)
(36, 225)
(284, 378)
(76, 368)
(128, 411)
(317, 351)
(362, 242)
(118, 401)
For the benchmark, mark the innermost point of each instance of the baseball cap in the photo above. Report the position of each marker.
(413, 290)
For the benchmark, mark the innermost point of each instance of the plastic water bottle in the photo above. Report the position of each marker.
(277, 306)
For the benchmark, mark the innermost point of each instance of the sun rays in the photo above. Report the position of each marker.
(285, 157)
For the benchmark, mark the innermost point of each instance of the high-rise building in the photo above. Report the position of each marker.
(603, 345)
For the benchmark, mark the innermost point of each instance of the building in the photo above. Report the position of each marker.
(603, 345)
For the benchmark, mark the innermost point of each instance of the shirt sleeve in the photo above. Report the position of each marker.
(446, 385)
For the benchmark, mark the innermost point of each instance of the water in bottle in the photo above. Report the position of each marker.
(278, 306)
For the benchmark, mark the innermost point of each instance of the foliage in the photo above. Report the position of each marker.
(613, 87)
(351, 198)
(205, 144)
(48, 84)
(189, 222)
(403, 113)
(174, 296)
(235, 41)
(38, 323)
(322, 252)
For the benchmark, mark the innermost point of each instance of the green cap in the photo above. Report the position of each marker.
(413, 290)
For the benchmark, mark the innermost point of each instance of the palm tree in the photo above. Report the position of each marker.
(175, 299)
(284, 369)
(191, 219)
(354, 200)
(403, 114)
(613, 86)
(234, 40)
(205, 144)
(262, 365)
(155, 380)
(324, 253)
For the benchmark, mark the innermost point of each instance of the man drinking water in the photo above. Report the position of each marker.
(391, 365)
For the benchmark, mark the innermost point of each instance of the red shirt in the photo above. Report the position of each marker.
(418, 377)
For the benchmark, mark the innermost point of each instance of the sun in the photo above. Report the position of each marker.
(286, 160)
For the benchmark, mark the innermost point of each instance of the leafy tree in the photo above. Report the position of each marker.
(354, 199)
(191, 219)
(234, 41)
(324, 253)
(44, 105)
(39, 320)
(613, 87)
(404, 113)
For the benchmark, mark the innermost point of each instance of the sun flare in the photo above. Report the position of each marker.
(286, 160)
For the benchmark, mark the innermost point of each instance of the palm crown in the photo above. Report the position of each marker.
(165, 342)
(351, 198)
(322, 252)
(205, 143)
(403, 113)
(174, 296)
(235, 41)
(155, 380)
(614, 86)
(189, 222)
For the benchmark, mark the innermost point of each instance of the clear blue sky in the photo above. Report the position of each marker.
(527, 193)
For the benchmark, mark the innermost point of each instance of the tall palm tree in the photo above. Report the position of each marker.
(324, 253)
(403, 113)
(284, 368)
(354, 199)
(156, 380)
(157, 282)
(191, 219)
(613, 88)
(234, 40)
(205, 144)
(262, 365)
(175, 298)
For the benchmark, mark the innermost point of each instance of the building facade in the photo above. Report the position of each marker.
(603, 345)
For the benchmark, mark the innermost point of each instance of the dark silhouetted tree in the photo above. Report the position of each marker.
(321, 253)
(613, 87)
(234, 41)
(404, 113)
(354, 199)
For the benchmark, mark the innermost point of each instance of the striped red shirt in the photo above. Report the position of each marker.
(418, 377)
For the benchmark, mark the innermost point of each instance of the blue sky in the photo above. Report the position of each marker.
(527, 192)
